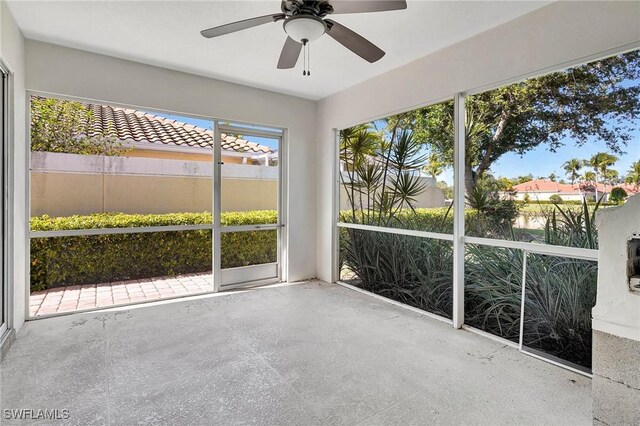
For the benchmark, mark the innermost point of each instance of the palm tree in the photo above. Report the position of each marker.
(434, 166)
(611, 176)
(572, 168)
(633, 175)
(600, 162)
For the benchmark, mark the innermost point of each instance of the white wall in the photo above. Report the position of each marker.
(64, 71)
(548, 38)
(12, 53)
(617, 309)
(544, 196)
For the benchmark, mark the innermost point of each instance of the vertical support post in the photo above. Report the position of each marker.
(335, 210)
(458, 213)
(283, 206)
(216, 208)
(525, 254)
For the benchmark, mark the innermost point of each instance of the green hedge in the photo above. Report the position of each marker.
(435, 219)
(65, 261)
(569, 202)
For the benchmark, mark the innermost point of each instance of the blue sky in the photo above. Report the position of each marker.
(208, 124)
(542, 162)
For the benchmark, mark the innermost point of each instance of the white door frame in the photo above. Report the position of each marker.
(253, 274)
(6, 185)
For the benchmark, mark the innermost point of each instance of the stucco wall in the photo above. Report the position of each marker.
(431, 196)
(617, 310)
(187, 156)
(547, 39)
(69, 184)
(616, 320)
(66, 194)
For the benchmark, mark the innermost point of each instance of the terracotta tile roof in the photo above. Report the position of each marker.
(139, 126)
(545, 185)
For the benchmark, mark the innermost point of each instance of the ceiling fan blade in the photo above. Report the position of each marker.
(354, 42)
(364, 6)
(240, 25)
(290, 54)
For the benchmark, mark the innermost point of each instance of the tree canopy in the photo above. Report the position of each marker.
(572, 169)
(633, 176)
(597, 100)
(67, 127)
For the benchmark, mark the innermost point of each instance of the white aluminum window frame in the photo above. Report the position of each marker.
(6, 185)
(217, 230)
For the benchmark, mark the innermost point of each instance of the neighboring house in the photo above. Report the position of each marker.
(154, 136)
(543, 189)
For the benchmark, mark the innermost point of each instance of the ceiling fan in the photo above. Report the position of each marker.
(305, 21)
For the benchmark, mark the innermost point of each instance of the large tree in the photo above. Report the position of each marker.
(601, 163)
(572, 169)
(69, 127)
(434, 166)
(597, 100)
(633, 176)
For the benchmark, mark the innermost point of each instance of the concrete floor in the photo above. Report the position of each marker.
(302, 354)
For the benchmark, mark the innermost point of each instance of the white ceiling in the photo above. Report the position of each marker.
(167, 34)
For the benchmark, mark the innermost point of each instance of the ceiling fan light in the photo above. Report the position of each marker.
(307, 28)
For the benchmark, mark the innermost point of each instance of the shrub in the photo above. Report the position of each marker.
(436, 219)
(618, 195)
(493, 287)
(568, 202)
(494, 215)
(64, 261)
(556, 199)
(412, 270)
(418, 272)
(560, 294)
(572, 227)
(70, 127)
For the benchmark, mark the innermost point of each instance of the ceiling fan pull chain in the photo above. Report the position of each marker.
(304, 57)
(309, 60)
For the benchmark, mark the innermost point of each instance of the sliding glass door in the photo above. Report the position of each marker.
(250, 199)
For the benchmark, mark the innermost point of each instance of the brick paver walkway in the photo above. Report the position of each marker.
(66, 299)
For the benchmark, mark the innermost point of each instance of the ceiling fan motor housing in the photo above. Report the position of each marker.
(305, 28)
(316, 8)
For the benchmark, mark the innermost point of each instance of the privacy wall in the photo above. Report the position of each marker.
(71, 184)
